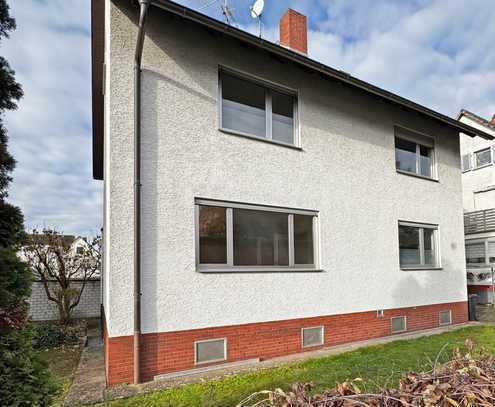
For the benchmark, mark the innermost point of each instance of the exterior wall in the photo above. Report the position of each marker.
(41, 309)
(345, 170)
(174, 351)
(478, 179)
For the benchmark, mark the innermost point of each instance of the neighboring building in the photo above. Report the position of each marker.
(42, 309)
(478, 182)
(285, 206)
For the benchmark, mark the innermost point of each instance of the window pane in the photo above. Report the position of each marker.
(475, 253)
(429, 242)
(212, 235)
(483, 157)
(210, 351)
(466, 162)
(425, 161)
(303, 239)
(260, 238)
(491, 251)
(283, 117)
(409, 245)
(405, 155)
(243, 106)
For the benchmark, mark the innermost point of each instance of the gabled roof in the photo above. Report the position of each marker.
(476, 118)
(272, 48)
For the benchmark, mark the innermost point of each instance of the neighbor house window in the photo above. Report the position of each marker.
(414, 153)
(241, 237)
(418, 245)
(466, 162)
(252, 108)
(480, 252)
(483, 157)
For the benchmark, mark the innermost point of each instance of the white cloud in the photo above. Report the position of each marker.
(50, 133)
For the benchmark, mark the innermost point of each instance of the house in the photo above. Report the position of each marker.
(258, 203)
(478, 182)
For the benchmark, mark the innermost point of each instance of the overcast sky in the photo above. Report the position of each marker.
(440, 53)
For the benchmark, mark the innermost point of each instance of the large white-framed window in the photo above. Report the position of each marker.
(254, 108)
(480, 252)
(418, 245)
(482, 158)
(414, 153)
(239, 237)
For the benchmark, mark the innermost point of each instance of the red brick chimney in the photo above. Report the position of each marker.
(294, 31)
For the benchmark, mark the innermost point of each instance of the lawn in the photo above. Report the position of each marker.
(380, 365)
(62, 362)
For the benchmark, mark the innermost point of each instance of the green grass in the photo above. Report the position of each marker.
(379, 366)
(62, 363)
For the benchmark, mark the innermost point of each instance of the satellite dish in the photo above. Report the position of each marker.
(257, 8)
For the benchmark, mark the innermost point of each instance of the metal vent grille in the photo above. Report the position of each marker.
(445, 317)
(398, 324)
(312, 336)
(212, 350)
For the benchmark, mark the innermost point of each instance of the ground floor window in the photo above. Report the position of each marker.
(418, 245)
(480, 251)
(244, 237)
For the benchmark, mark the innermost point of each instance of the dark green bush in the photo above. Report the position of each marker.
(49, 335)
(24, 379)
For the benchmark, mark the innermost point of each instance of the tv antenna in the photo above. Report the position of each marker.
(256, 11)
(228, 12)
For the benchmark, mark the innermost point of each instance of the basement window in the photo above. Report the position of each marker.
(313, 336)
(398, 324)
(252, 108)
(234, 237)
(414, 153)
(211, 350)
(418, 245)
(445, 317)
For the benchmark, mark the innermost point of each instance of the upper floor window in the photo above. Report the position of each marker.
(254, 109)
(418, 245)
(466, 162)
(240, 237)
(483, 157)
(414, 153)
(480, 251)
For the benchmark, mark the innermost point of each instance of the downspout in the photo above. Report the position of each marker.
(144, 5)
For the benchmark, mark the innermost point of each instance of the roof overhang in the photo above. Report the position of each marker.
(289, 55)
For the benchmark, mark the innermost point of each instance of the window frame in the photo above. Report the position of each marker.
(421, 140)
(436, 241)
(269, 86)
(392, 324)
(470, 159)
(322, 327)
(486, 241)
(229, 267)
(224, 339)
(475, 158)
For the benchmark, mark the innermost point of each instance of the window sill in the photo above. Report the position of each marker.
(412, 174)
(421, 268)
(481, 167)
(257, 138)
(258, 270)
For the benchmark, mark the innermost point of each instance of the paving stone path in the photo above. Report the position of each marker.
(89, 381)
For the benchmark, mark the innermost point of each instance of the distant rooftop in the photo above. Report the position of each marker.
(477, 119)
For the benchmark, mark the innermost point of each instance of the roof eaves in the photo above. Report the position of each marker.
(296, 57)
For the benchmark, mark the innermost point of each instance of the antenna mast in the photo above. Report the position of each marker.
(227, 12)
(256, 11)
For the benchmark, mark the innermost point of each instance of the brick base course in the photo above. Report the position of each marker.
(167, 352)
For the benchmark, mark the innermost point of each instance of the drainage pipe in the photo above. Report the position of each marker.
(143, 5)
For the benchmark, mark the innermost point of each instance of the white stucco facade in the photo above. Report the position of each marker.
(345, 171)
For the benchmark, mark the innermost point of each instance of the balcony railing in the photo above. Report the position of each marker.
(479, 221)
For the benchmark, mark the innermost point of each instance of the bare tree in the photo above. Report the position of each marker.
(58, 264)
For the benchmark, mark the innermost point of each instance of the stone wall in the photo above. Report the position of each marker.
(41, 309)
